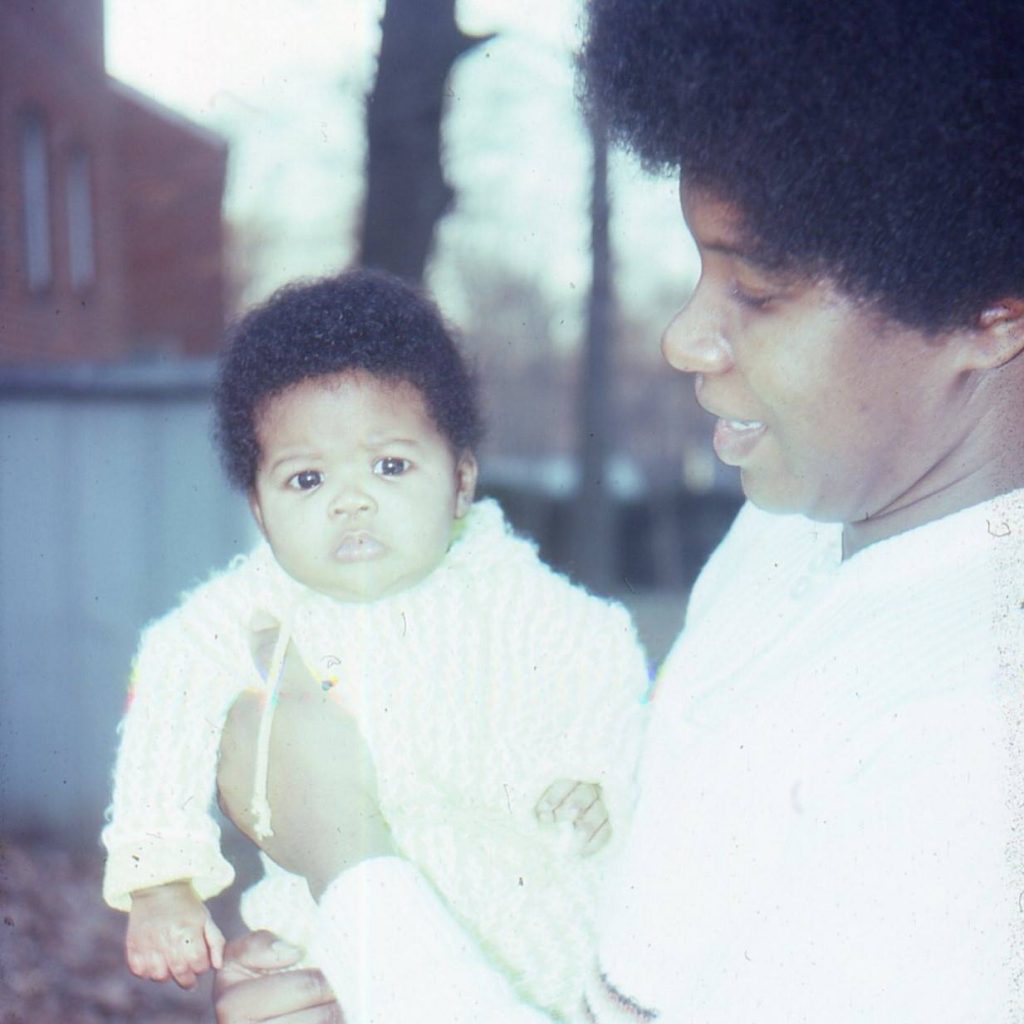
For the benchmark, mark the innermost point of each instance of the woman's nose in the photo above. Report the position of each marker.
(693, 341)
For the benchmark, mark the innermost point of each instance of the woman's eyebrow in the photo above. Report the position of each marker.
(725, 248)
(740, 251)
(753, 256)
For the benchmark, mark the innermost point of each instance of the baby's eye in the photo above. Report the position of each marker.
(390, 466)
(307, 480)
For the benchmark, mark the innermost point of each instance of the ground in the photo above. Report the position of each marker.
(61, 948)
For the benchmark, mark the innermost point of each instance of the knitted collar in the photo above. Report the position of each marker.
(482, 539)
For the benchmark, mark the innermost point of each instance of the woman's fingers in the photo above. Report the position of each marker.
(256, 984)
(295, 997)
(256, 953)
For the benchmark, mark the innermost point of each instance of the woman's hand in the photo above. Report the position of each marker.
(322, 785)
(255, 984)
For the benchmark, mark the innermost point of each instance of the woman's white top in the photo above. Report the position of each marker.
(831, 810)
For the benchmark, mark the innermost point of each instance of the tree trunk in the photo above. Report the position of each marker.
(406, 193)
(593, 533)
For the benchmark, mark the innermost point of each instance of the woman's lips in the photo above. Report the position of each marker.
(734, 440)
(358, 547)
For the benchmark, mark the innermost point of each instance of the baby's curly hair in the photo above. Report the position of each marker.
(360, 321)
(877, 142)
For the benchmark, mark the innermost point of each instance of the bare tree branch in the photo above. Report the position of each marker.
(406, 192)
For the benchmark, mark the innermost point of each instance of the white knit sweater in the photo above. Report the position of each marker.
(831, 804)
(475, 689)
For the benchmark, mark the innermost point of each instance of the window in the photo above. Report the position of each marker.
(81, 256)
(35, 194)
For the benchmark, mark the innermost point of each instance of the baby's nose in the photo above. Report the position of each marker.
(350, 499)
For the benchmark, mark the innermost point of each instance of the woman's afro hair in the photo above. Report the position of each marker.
(358, 322)
(877, 142)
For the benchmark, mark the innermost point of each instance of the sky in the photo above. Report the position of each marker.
(285, 81)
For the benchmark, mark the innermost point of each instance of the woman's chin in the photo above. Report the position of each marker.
(781, 495)
(770, 493)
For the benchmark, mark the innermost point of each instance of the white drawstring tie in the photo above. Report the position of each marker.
(260, 806)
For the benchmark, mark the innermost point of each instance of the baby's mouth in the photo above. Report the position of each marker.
(358, 547)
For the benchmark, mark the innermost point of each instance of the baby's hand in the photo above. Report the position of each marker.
(580, 804)
(170, 932)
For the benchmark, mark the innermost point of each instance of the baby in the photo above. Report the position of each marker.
(495, 697)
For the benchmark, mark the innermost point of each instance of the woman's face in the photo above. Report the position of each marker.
(827, 407)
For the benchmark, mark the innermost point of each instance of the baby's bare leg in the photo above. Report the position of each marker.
(322, 786)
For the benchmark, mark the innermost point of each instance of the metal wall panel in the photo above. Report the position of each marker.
(109, 508)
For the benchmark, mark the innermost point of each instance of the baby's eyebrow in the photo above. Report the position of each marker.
(295, 456)
(383, 440)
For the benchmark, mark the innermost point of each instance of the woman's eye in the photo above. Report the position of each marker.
(390, 466)
(306, 480)
(752, 300)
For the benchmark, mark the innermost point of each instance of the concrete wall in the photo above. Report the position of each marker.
(111, 503)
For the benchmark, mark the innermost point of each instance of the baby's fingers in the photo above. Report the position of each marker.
(187, 956)
(183, 974)
(557, 800)
(189, 960)
(149, 965)
(576, 799)
(593, 829)
(214, 943)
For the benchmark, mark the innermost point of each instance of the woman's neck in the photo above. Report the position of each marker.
(1000, 474)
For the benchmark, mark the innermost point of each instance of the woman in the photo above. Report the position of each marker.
(828, 811)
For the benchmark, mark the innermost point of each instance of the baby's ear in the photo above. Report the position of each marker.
(466, 471)
(257, 512)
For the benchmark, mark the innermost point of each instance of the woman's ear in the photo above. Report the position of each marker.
(466, 471)
(998, 335)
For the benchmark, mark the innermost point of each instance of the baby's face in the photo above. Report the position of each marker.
(356, 488)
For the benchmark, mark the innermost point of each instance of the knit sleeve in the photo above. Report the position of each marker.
(392, 953)
(566, 682)
(189, 667)
(603, 693)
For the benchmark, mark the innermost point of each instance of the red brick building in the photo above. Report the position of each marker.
(110, 205)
